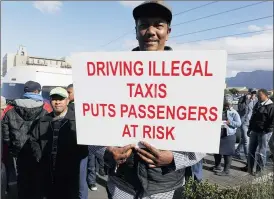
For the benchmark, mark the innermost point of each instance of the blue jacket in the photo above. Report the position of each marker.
(234, 121)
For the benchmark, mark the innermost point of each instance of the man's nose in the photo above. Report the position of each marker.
(151, 30)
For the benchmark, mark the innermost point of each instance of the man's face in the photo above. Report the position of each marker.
(152, 33)
(59, 104)
(71, 94)
(253, 95)
(262, 97)
(226, 106)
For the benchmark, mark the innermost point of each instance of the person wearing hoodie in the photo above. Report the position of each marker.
(148, 172)
(261, 126)
(15, 127)
(231, 121)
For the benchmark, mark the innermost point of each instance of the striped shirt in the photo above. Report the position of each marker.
(181, 159)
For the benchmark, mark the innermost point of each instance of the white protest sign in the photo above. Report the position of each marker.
(171, 99)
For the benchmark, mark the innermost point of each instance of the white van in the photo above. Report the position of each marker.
(49, 77)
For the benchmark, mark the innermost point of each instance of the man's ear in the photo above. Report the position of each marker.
(168, 33)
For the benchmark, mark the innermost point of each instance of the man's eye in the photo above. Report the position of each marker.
(159, 25)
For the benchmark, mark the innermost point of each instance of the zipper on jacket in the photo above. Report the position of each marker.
(52, 180)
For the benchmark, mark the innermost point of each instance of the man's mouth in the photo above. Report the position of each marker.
(151, 42)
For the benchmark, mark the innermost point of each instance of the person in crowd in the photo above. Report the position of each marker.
(147, 172)
(3, 106)
(252, 100)
(4, 155)
(53, 142)
(244, 101)
(195, 171)
(87, 166)
(70, 91)
(271, 145)
(261, 126)
(91, 174)
(15, 127)
(232, 121)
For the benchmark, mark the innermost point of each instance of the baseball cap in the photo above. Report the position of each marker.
(59, 91)
(31, 86)
(153, 9)
(3, 102)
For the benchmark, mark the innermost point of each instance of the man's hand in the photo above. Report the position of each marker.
(248, 133)
(155, 158)
(227, 122)
(120, 154)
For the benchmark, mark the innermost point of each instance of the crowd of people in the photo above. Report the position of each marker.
(40, 139)
(39, 142)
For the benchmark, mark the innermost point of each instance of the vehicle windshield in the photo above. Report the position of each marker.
(12, 91)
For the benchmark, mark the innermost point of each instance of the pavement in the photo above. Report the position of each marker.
(99, 194)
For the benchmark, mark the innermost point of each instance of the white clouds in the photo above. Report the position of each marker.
(235, 45)
(131, 4)
(50, 7)
(257, 28)
(254, 43)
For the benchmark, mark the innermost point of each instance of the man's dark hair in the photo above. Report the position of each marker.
(70, 86)
(264, 91)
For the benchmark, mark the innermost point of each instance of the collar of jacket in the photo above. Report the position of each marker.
(49, 117)
(167, 48)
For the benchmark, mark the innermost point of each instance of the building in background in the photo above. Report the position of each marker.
(21, 58)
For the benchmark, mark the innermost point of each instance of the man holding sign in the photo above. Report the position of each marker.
(147, 172)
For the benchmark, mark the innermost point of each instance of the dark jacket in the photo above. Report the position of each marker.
(139, 179)
(71, 106)
(262, 119)
(18, 120)
(64, 181)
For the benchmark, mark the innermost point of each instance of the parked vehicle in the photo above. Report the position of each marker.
(49, 77)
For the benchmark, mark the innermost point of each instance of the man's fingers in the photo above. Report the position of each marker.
(151, 148)
(152, 166)
(128, 152)
(146, 154)
(127, 147)
(121, 156)
(147, 160)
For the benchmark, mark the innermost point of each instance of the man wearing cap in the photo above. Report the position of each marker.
(147, 173)
(54, 145)
(15, 126)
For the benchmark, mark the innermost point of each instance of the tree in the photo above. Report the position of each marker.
(234, 91)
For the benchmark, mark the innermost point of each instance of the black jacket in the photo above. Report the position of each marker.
(262, 119)
(71, 106)
(69, 155)
(18, 120)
